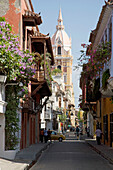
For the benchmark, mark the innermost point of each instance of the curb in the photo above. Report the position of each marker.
(37, 157)
(101, 153)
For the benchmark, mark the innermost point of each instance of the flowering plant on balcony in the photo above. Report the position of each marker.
(14, 63)
(94, 60)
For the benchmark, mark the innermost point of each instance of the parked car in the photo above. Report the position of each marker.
(57, 136)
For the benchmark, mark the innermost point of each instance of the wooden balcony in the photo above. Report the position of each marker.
(28, 105)
(42, 83)
(43, 74)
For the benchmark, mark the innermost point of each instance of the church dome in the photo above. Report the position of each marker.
(60, 36)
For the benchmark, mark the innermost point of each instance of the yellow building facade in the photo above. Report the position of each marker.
(107, 121)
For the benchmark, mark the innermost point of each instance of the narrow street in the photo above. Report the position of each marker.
(71, 154)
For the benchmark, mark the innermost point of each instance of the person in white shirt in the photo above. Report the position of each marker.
(98, 133)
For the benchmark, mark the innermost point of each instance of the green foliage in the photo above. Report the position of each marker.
(47, 62)
(78, 115)
(2, 19)
(94, 60)
(105, 77)
(11, 117)
(62, 117)
(56, 71)
(14, 63)
(48, 82)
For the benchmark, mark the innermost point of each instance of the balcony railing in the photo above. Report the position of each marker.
(43, 73)
(29, 104)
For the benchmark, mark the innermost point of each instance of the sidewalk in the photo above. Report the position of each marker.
(103, 150)
(24, 158)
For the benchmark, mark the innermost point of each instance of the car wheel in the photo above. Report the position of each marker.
(60, 139)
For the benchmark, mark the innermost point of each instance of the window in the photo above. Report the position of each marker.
(59, 67)
(59, 50)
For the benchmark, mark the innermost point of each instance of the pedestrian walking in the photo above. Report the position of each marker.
(49, 135)
(41, 135)
(88, 130)
(77, 132)
(98, 133)
(45, 135)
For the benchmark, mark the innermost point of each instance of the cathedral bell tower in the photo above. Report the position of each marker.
(61, 44)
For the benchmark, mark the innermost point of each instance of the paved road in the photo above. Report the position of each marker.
(71, 155)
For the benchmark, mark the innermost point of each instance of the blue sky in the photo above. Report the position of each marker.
(79, 18)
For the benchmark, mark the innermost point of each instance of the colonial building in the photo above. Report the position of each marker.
(98, 98)
(25, 21)
(61, 44)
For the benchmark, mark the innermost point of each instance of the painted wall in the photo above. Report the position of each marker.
(107, 109)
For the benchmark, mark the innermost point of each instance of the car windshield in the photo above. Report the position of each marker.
(53, 133)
